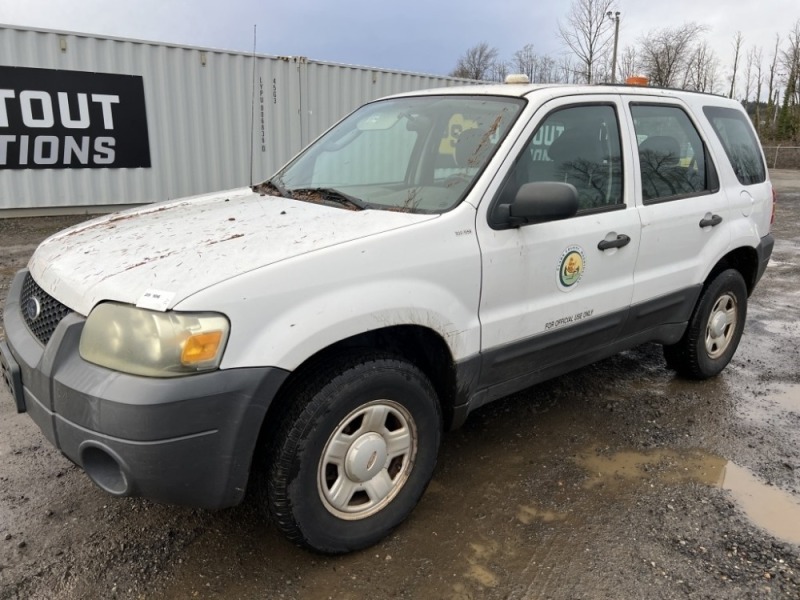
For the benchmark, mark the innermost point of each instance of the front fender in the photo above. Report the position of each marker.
(284, 313)
(301, 330)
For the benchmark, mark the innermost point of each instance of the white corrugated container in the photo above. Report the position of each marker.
(215, 119)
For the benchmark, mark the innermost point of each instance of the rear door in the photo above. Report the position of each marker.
(684, 212)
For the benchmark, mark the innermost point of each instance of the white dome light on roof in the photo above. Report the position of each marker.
(517, 78)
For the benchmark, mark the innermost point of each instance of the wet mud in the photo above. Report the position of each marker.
(620, 480)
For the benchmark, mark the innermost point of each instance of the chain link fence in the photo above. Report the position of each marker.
(782, 157)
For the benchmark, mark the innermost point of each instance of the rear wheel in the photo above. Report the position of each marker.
(714, 330)
(354, 454)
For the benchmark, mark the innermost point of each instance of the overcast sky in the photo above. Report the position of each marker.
(413, 35)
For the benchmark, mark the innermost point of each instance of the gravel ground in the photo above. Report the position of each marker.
(617, 481)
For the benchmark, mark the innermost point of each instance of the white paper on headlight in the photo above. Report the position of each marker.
(155, 300)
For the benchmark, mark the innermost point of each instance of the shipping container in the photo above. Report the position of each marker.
(90, 122)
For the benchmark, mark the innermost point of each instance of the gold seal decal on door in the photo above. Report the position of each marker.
(571, 266)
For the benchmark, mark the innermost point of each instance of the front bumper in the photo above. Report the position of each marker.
(187, 440)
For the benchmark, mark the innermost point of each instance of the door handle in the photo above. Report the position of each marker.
(622, 240)
(712, 221)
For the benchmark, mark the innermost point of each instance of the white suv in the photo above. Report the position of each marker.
(430, 253)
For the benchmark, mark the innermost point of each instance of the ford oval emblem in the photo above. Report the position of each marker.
(33, 308)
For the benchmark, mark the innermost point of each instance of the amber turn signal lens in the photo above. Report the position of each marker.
(201, 347)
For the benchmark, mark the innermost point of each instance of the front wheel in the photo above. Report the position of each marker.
(714, 330)
(354, 454)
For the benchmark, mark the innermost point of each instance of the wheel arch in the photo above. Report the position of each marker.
(745, 260)
(421, 346)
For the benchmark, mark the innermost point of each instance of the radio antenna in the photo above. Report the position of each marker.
(253, 109)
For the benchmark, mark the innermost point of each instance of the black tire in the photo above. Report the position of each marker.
(333, 485)
(714, 330)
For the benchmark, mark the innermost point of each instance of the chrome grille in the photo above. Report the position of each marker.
(41, 312)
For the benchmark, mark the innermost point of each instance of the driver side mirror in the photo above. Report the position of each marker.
(538, 202)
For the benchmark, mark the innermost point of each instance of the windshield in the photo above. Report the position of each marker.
(417, 154)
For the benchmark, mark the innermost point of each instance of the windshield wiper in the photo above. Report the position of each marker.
(263, 188)
(329, 195)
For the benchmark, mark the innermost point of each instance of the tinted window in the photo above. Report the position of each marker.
(734, 131)
(578, 145)
(672, 156)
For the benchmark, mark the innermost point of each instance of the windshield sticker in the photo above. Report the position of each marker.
(457, 125)
(571, 266)
(155, 300)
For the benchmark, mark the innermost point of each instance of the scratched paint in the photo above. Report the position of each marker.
(186, 246)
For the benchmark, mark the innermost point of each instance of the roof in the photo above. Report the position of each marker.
(553, 90)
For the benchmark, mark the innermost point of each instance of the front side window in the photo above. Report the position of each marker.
(419, 154)
(672, 158)
(579, 145)
(741, 146)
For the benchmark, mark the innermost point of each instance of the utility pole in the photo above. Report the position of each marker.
(614, 16)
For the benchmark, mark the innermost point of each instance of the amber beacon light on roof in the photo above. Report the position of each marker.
(637, 80)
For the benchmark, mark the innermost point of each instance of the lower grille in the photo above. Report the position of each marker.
(42, 313)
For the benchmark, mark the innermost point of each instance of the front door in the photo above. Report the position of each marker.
(554, 293)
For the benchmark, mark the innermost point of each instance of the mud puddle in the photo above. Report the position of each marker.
(500, 539)
(767, 507)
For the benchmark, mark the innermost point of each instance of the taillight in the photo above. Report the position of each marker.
(774, 202)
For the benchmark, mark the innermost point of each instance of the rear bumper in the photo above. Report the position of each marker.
(186, 440)
(764, 250)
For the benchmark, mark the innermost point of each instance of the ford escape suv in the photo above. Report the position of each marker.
(314, 335)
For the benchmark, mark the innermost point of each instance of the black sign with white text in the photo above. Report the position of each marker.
(53, 119)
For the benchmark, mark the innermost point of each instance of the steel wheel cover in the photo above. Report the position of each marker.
(721, 325)
(367, 460)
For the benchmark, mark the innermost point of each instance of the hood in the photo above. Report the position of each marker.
(179, 248)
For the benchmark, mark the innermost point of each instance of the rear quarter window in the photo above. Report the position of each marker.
(741, 146)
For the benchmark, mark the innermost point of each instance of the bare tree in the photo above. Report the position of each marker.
(737, 48)
(565, 71)
(772, 113)
(665, 53)
(476, 62)
(749, 74)
(787, 123)
(587, 33)
(628, 63)
(701, 69)
(526, 62)
(788, 126)
(540, 68)
(547, 71)
(499, 70)
(792, 57)
(759, 81)
(713, 77)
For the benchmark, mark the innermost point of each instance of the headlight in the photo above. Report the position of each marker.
(153, 344)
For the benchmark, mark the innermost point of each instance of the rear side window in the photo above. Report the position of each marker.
(734, 131)
(672, 156)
